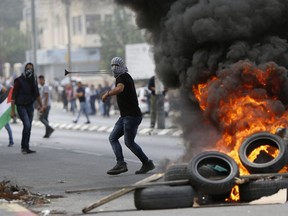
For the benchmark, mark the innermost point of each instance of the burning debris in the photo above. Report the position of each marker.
(228, 58)
(229, 61)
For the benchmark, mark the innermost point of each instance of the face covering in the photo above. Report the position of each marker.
(28, 73)
(118, 67)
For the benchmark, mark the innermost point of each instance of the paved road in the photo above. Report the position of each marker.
(61, 165)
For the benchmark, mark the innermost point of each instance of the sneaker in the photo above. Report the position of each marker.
(88, 122)
(24, 151)
(30, 151)
(75, 121)
(49, 133)
(10, 144)
(146, 167)
(120, 167)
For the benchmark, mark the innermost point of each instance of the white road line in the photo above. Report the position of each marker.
(164, 131)
(86, 152)
(101, 129)
(177, 133)
(145, 130)
(93, 128)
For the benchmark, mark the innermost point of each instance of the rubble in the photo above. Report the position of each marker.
(14, 193)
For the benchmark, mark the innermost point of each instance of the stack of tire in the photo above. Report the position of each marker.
(261, 187)
(212, 176)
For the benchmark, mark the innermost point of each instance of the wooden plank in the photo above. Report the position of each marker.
(176, 182)
(121, 192)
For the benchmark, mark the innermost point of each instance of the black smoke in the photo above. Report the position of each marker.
(194, 40)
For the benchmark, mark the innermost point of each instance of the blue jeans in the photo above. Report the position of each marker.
(83, 108)
(44, 119)
(8, 128)
(128, 127)
(25, 113)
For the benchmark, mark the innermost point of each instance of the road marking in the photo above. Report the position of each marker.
(164, 131)
(108, 129)
(177, 133)
(86, 152)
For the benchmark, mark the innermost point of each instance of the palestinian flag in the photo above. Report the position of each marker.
(5, 107)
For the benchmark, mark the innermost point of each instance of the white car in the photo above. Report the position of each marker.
(143, 95)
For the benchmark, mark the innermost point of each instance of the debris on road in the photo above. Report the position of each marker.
(10, 192)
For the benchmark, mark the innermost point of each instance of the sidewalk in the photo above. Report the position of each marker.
(59, 119)
(14, 210)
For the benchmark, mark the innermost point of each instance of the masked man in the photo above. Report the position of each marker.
(130, 119)
(25, 93)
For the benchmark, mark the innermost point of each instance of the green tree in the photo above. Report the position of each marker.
(116, 33)
(10, 13)
(13, 45)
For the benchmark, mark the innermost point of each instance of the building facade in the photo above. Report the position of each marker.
(85, 17)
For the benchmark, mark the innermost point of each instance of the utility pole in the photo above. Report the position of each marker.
(34, 34)
(67, 4)
(159, 88)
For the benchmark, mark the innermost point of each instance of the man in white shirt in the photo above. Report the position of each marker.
(46, 101)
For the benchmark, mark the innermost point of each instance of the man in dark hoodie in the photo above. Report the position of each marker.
(130, 119)
(25, 93)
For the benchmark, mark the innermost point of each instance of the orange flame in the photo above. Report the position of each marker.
(242, 112)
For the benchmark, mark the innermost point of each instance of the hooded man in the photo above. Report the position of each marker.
(129, 121)
(25, 93)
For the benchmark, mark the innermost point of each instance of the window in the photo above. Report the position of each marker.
(93, 22)
(77, 25)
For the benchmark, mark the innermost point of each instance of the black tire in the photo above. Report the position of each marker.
(270, 164)
(164, 197)
(263, 187)
(176, 172)
(210, 182)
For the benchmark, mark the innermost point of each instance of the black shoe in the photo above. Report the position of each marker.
(88, 122)
(10, 144)
(23, 150)
(75, 122)
(146, 167)
(120, 167)
(28, 151)
(49, 133)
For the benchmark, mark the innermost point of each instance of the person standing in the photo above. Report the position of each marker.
(151, 87)
(129, 121)
(93, 99)
(45, 95)
(107, 103)
(80, 94)
(24, 95)
(153, 105)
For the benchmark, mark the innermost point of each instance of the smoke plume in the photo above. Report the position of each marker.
(195, 40)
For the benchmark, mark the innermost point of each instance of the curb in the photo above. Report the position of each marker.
(13, 209)
(108, 129)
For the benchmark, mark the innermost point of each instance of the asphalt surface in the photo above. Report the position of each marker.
(67, 166)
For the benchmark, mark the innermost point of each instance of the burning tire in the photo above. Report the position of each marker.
(265, 162)
(164, 197)
(213, 172)
(263, 187)
(176, 172)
